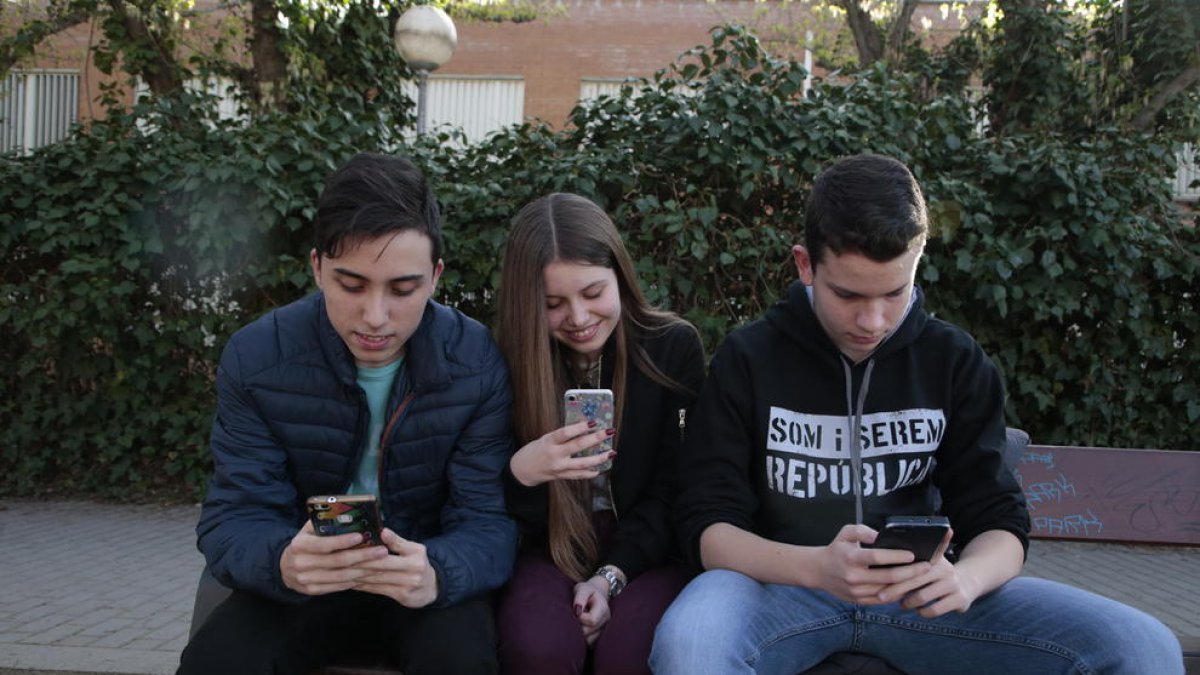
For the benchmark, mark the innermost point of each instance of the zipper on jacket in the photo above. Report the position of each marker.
(682, 422)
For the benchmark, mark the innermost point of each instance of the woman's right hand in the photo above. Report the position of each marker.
(549, 457)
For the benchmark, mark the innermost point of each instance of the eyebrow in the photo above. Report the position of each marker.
(846, 291)
(394, 280)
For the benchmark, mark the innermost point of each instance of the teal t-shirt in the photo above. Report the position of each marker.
(377, 383)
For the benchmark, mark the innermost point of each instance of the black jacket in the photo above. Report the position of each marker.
(767, 446)
(643, 474)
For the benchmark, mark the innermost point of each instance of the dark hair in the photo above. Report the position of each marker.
(865, 204)
(567, 228)
(372, 195)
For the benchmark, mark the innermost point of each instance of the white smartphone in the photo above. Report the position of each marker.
(592, 405)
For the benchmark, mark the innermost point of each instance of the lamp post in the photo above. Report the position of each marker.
(425, 38)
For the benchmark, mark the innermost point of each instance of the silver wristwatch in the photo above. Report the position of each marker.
(615, 583)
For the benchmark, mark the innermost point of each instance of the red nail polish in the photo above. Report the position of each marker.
(610, 432)
(591, 423)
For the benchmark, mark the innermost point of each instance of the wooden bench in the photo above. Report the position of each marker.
(1115, 495)
(1112, 494)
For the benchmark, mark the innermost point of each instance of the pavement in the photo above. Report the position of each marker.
(104, 588)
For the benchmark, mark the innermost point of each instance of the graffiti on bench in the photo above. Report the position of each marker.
(1112, 494)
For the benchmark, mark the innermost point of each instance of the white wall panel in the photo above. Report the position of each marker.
(37, 108)
(478, 105)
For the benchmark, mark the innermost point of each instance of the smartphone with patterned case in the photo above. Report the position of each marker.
(332, 515)
(592, 405)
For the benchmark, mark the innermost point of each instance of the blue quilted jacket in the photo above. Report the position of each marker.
(290, 424)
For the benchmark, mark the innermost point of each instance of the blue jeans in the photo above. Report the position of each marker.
(725, 623)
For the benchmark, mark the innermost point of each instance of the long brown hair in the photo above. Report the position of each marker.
(567, 228)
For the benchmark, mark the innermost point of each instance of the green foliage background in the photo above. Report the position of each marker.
(135, 249)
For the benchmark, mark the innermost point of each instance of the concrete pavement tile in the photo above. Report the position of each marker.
(108, 626)
(51, 636)
(92, 660)
(36, 625)
(146, 644)
(118, 638)
(76, 640)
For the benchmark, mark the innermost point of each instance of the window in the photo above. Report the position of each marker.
(37, 108)
(591, 88)
(478, 105)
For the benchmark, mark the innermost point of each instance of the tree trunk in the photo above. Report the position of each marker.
(867, 36)
(900, 29)
(160, 70)
(270, 64)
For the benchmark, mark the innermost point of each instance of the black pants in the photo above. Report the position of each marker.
(251, 634)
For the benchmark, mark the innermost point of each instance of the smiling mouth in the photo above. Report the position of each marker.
(583, 334)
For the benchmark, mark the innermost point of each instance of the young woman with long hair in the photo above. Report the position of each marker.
(597, 568)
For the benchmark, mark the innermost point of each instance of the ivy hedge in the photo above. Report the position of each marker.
(137, 247)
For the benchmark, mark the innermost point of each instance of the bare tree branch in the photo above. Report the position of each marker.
(1187, 77)
(61, 16)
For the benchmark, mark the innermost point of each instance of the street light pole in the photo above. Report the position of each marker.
(422, 84)
(426, 38)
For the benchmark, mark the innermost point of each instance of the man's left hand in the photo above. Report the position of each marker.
(405, 576)
(939, 591)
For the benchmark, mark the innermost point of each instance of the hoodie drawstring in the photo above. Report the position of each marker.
(854, 420)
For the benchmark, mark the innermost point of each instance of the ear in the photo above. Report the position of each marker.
(314, 261)
(437, 273)
(803, 264)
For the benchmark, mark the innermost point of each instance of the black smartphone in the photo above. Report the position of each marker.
(332, 515)
(920, 534)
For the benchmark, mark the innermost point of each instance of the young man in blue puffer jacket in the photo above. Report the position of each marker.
(366, 387)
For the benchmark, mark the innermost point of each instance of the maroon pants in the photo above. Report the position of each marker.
(539, 633)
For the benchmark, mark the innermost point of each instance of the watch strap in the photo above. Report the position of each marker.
(609, 574)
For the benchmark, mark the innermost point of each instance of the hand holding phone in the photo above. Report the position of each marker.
(593, 405)
(920, 534)
(332, 515)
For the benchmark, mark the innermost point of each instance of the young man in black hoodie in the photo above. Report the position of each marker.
(846, 404)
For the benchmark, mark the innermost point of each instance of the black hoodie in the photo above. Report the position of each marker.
(767, 448)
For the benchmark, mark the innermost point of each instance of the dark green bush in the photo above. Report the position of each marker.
(135, 249)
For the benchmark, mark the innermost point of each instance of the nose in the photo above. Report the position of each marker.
(577, 314)
(871, 318)
(375, 310)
